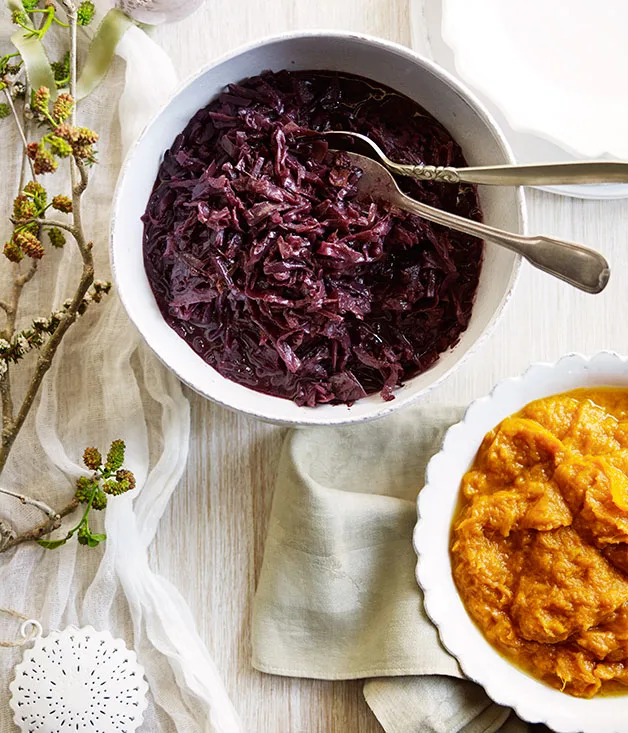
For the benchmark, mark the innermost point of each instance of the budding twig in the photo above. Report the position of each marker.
(11, 422)
(20, 129)
(41, 530)
(42, 506)
(21, 280)
(58, 224)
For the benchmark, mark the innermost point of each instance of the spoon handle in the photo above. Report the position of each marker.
(580, 266)
(590, 171)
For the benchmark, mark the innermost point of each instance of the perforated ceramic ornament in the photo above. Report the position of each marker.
(78, 680)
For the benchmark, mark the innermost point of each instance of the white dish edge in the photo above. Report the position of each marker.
(504, 683)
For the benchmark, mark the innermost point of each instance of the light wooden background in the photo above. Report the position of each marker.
(211, 540)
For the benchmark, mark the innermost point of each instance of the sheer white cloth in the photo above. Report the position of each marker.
(105, 385)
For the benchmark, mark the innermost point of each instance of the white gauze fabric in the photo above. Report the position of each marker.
(103, 385)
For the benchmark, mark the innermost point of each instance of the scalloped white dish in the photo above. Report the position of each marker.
(505, 683)
(557, 87)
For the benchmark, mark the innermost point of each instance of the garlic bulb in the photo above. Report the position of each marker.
(154, 12)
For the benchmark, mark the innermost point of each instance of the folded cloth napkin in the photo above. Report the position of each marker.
(337, 596)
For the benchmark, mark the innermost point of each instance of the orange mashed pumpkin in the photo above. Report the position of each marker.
(540, 546)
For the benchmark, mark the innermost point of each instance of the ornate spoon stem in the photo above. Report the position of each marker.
(594, 171)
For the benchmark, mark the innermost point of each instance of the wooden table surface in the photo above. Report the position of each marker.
(211, 540)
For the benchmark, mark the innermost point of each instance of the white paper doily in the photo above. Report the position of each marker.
(78, 680)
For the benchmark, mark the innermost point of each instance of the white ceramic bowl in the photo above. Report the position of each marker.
(503, 682)
(386, 63)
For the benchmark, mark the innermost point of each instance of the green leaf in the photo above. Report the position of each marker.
(102, 50)
(52, 544)
(99, 537)
(37, 65)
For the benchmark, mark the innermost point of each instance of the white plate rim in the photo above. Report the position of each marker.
(443, 50)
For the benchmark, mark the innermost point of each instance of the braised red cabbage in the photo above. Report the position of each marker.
(260, 257)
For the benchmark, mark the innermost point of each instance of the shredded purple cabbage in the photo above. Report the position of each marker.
(260, 257)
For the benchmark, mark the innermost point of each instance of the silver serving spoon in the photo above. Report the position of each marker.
(579, 266)
(590, 171)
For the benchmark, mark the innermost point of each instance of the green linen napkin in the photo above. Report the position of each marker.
(337, 596)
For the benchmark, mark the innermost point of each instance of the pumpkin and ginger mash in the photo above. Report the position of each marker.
(540, 545)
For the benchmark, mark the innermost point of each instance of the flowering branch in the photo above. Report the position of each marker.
(63, 139)
(107, 479)
(34, 336)
(9, 539)
(42, 506)
(56, 224)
